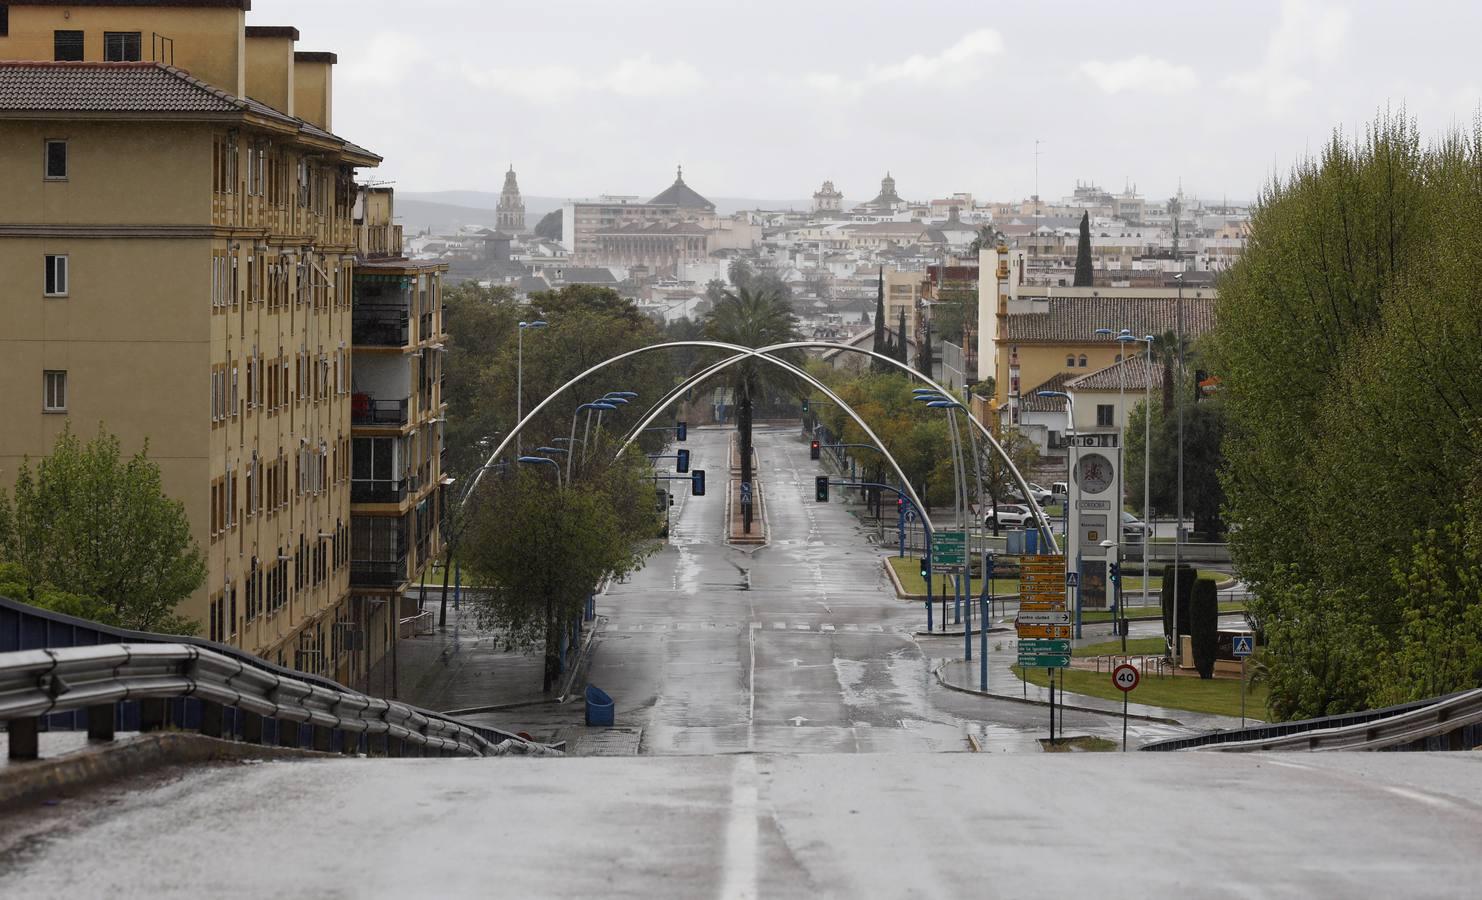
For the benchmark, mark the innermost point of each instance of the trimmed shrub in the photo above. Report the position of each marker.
(1204, 626)
(1186, 576)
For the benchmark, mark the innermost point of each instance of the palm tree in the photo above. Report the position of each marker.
(1164, 349)
(751, 320)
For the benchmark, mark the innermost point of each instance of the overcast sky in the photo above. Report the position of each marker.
(766, 99)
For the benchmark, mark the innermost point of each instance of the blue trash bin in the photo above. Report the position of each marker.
(599, 707)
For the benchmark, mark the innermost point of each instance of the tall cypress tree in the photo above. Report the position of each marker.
(1085, 275)
(903, 352)
(880, 346)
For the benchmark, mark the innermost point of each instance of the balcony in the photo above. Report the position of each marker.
(380, 325)
(377, 572)
(382, 491)
(368, 410)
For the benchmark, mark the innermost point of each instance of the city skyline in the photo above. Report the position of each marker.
(1220, 102)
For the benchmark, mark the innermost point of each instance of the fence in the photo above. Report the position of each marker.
(61, 673)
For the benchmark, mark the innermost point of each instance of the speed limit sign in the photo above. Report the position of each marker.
(1125, 677)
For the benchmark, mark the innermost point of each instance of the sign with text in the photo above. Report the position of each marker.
(1042, 631)
(948, 548)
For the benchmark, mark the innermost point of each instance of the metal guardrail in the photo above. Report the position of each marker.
(27, 630)
(35, 683)
(1454, 720)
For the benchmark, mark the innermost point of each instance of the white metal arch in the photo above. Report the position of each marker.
(747, 351)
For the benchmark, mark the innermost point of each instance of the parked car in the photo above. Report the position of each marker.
(1040, 495)
(1058, 491)
(1133, 527)
(1010, 515)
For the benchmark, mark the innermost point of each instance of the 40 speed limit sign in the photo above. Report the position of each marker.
(1125, 677)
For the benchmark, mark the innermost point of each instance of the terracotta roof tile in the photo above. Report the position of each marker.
(1074, 320)
(1135, 369)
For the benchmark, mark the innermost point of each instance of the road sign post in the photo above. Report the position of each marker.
(1243, 645)
(1125, 678)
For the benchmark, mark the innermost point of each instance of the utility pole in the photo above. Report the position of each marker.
(1178, 536)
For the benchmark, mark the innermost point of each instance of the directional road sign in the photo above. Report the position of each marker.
(948, 549)
(1044, 661)
(1037, 645)
(1043, 631)
(1244, 644)
(1060, 617)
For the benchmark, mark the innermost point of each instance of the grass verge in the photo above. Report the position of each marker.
(1145, 646)
(908, 570)
(1218, 696)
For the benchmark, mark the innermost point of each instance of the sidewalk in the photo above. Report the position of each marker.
(1003, 684)
(463, 666)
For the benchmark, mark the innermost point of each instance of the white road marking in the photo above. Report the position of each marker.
(876, 627)
(851, 627)
(755, 626)
(802, 628)
(827, 627)
(779, 626)
(738, 877)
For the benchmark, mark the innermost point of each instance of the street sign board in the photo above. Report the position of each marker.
(1072, 579)
(1059, 617)
(1125, 677)
(1244, 645)
(1043, 646)
(1044, 660)
(1043, 631)
(948, 549)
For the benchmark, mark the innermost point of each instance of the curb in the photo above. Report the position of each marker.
(1030, 702)
(132, 756)
(957, 632)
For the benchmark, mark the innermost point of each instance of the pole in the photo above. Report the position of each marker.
(1242, 692)
(967, 610)
(1051, 673)
(1178, 536)
(983, 644)
(1124, 721)
(519, 383)
(1147, 455)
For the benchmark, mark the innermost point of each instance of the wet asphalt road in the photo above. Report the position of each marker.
(797, 646)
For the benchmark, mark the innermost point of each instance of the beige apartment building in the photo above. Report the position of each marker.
(184, 241)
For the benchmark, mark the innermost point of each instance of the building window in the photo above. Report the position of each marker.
(1070, 361)
(1083, 360)
(54, 391)
(4, 20)
(1103, 415)
(121, 46)
(67, 46)
(56, 160)
(56, 275)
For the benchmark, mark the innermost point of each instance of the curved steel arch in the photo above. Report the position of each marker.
(789, 367)
(747, 351)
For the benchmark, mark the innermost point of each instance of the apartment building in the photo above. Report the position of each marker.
(183, 232)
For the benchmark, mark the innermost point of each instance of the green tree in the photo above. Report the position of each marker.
(876, 365)
(1085, 271)
(998, 478)
(541, 550)
(740, 273)
(549, 226)
(1204, 626)
(87, 523)
(481, 323)
(750, 320)
(1346, 352)
(903, 342)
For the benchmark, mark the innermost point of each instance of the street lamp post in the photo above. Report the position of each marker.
(520, 373)
(1178, 536)
(536, 460)
(571, 441)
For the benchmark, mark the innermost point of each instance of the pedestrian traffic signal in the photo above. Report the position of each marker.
(813, 450)
(684, 461)
(680, 429)
(697, 483)
(820, 488)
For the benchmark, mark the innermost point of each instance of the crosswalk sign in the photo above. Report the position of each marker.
(1244, 645)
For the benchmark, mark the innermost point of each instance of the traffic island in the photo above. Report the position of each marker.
(736, 532)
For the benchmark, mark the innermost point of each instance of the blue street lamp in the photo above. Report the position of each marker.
(595, 404)
(536, 460)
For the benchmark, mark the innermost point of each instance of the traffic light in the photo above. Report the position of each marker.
(697, 483)
(680, 428)
(820, 488)
(813, 450)
(1116, 573)
(925, 570)
(805, 404)
(684, 461)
